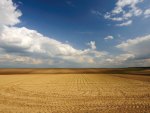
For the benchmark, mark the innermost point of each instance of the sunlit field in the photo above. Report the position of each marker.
(73, 93)
(74, 56)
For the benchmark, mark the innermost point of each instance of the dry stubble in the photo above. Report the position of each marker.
(74, 93)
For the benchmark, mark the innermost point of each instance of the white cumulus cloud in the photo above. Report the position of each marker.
(92, 44)
(124, 11)
(9, 15)
(138, 46)
(109, 38)
(125, 23)
(147, 13)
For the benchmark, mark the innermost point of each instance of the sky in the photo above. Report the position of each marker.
(74, 33)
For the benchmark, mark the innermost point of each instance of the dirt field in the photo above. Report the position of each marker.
(74, 93)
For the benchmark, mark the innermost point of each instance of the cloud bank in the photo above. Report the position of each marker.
(20, 44)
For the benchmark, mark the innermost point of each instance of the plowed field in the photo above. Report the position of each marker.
(74, 93)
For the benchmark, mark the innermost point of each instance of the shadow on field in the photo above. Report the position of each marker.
(136, 71)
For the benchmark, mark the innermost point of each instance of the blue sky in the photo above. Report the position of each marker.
(75, 33)
(73, 21)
